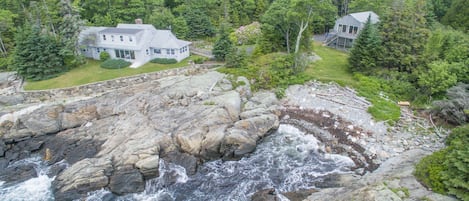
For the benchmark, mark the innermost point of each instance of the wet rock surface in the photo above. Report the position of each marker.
(115, 140)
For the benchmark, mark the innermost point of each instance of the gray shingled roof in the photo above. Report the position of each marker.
(363, 16)
(121, 30)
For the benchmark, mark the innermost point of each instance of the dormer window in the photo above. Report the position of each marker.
(130, 39)
(122, 38)
(104, 37)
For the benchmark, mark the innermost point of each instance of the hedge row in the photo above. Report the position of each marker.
(164, 61)
(115, 64)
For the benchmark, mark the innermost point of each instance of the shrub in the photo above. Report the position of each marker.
(164, 61)
(447, 171)
(199, 60)
(428, 171)
(454, 108)
(247, 35)
(103, 56)
(456, 174)
(115, 64)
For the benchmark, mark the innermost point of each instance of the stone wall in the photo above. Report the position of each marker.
(97, 88)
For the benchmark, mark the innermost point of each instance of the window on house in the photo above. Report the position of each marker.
(130, 38)
(350, 30)
(147, 52)
(122, 38)
(125, 54)
(355, 30)
(168, 51)
(104, 37)
(180, 50)
(172, 51)
(344, 28)
(157, 51)
(340, 27)
(112, 38)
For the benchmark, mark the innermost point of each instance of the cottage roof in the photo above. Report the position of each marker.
(166, 39)
(363, 16)
(88, 35)
(121, 30)
(150, 37)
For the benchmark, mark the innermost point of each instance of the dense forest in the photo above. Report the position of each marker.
(419, 51)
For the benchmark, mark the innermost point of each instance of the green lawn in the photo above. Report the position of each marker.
(92, 72)
(332, 66)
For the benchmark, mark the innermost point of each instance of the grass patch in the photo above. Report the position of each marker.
(333, 66)
(92, 72)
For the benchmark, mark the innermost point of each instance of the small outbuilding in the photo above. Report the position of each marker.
(347, 29)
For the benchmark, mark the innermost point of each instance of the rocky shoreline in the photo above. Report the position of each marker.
(117, 138)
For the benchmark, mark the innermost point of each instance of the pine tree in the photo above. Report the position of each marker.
(69, 30)
(37, 54)
(223, 45)
(404, 34)
(366, 49)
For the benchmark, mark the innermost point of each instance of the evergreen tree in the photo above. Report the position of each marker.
(223, 45)
(457, 15)
(37, 54)
(69, 30)
(235, 58)
(366, 49)
(404, 34)
(198, 22)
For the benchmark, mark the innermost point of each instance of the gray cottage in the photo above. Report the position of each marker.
(136, 43)
(347, 28)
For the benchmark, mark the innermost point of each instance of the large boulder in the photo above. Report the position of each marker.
(126, 180)
(84, 176)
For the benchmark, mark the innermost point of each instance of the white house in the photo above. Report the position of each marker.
(347, 28)
(137, 43)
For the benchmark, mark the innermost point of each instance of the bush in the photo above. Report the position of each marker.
(103, 56)
(428, 171)
(164, 61)
(199, 60)
(456, 174)
(454, 108)
(447, 171)
(115, 64)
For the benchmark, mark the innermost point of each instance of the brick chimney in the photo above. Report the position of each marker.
(138, 21)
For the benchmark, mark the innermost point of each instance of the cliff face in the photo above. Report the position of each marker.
(115, 140)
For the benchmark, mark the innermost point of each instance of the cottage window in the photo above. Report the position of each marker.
(130, 38)
(157, 51)
(172, 51)
(340, 27)
(344, 28)
(104, 37)
(350, 30)
(355, 30)
(147, 52)
(125, 54)
(168, 51)
(122, 38)
(112, 38)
